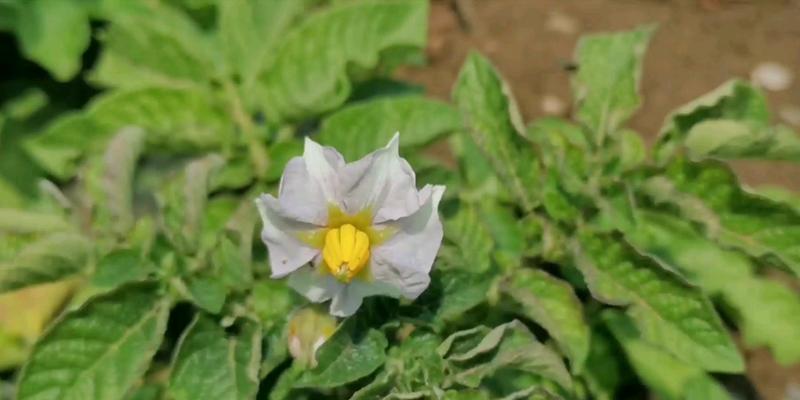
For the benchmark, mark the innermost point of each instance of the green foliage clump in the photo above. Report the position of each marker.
(577, 263)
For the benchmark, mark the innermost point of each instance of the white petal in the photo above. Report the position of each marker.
(349, 299)
(382, 182)
(301, 197)
(310, 183)
(405, 260)
(315, 285)
(280, 233)
(324, 165)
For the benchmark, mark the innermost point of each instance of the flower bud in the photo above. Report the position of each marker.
(309, 328)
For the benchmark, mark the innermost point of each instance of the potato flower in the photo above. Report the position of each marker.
(342, 232)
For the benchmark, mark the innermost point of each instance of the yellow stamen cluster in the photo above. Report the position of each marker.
(346, 251)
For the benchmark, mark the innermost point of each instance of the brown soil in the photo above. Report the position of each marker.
(699, 45)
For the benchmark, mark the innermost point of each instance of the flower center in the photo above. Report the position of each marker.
(346, 251)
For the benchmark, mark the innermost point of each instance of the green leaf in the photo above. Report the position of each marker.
(666, 375)
(664, 309)
(207, 293)
(99, 351)
(54, 33)
(414, 370)
(231, 266)
(272, 301)
(120, 267)
(494, 123)
(473, 239)
(767, 312)
(734, 101)
(63, 142)
(14, 220)
(24, 105)
(352, 353)
(603, 367)
(461, 292)
(559, 204)
(761, 227)
(175, 120)
(510, 346)
(606, 86)
(212, 365)
(363, 127)
(731, 139)
(564, 150)
(49, 259)
(309, 73)
(504, 227)
(178, 120)
(551, 303)
(280, 154)
(183, 57)
(249, 31)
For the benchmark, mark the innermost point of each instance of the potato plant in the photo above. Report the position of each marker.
(576, 262)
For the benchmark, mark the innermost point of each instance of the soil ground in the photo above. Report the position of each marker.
(699, 45)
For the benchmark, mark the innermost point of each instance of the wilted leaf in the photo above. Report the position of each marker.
(730, 139)
(212, 365)
(115, 206)
(185, 202)
(99, 351)
(20, 330)
(509, 345)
